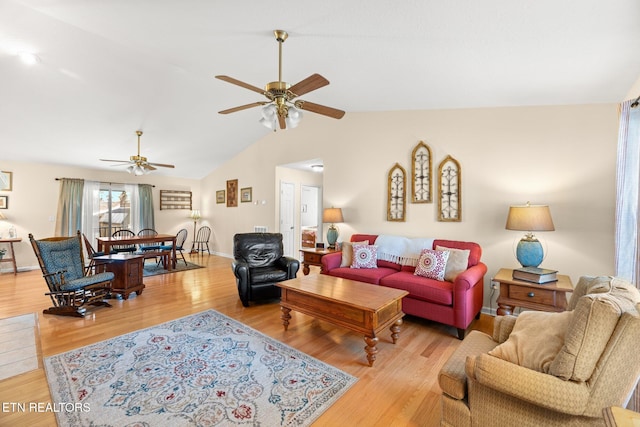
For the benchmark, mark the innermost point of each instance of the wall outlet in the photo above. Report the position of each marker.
(494, 285)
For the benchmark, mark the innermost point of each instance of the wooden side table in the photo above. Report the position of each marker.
(12, 257)
(519, 293)
(312, 256)
(127, 269)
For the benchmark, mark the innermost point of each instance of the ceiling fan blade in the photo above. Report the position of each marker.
(320, 109)
(161, 165)
(283, 123)
(118, 161)
(148, 166)
(241, 84)
(313, 82)
(242, 107)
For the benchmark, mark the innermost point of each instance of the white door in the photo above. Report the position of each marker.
(287, 216)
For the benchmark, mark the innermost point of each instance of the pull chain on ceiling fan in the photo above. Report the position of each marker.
(281, 108)
(138, 165)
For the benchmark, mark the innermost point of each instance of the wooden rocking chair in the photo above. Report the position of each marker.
(71, 284)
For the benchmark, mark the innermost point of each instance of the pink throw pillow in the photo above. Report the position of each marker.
(364, 256)
(432, 264)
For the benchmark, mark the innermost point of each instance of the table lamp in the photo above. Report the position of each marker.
(332, 215)
(195, 215)
(529, 218)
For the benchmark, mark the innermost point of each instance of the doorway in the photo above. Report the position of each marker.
(287, 220)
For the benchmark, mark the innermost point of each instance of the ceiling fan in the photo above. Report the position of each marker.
(138, 165)
(283, 108)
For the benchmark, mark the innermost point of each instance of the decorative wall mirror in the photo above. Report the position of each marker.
(396, 196)
(421, 174)
(449, 190)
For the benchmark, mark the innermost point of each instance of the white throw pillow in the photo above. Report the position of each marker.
(457, 262)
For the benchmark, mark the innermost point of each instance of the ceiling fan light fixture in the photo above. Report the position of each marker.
(294, 116)
(269, 116)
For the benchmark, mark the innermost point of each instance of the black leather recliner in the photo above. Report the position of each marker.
(259, 264)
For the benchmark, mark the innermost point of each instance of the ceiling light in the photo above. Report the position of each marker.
(28, 58)
(317, 168)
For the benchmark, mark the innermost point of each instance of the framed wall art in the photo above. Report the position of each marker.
(220, 196)
(245, 194)
(4, 202)
(6, 181)
(396, 193)
(421, 174)
(232, 193)
(170, 199)
(449, 191)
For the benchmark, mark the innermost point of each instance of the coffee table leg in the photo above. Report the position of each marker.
(371, 348)
(285, 316)
(395, 330)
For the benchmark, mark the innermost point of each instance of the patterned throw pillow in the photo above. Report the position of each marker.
(364, 256)
(432, 264)
(347, 252)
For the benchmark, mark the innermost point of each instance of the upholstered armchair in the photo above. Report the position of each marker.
(259, 263)
(548, 369)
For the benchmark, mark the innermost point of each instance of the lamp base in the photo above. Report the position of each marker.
(332, 236)
(529, 253)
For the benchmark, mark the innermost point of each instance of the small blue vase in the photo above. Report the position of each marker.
(529, 253)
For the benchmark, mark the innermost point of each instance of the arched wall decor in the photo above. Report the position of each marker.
(396, 194)
(449, 190)
(421, 174)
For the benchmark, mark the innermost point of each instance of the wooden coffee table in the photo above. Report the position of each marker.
(357, 306)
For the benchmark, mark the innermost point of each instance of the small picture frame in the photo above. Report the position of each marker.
(4, 202)
(220, 198)
(245, 194)
(6, 181)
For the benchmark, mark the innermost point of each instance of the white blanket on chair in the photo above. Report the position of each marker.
(402, 250)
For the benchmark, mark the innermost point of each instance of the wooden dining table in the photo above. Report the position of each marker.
(105, 243)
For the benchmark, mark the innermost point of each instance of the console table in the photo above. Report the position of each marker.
(12, 257)
(519, 293)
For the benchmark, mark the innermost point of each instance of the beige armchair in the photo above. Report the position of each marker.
(548, 368)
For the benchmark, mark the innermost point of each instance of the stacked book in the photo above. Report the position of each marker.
(535, 275)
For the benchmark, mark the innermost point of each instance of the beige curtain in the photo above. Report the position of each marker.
(69, 218)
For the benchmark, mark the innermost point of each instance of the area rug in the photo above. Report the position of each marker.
(153, 269)
(205, 369)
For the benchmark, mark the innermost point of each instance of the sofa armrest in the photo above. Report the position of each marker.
(531, 386)
(331, 261)
(470, 277)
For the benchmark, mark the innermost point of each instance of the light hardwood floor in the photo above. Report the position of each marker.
(401, 389)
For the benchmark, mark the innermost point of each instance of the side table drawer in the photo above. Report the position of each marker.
(540, 296)
(312, 258)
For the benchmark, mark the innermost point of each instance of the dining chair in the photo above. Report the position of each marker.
(124, 248)
(181, 236)
(202, 240)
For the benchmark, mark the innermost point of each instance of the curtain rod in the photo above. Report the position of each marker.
(104, 182)
(634, 104)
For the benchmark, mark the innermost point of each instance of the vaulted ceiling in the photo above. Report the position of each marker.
(110, 67)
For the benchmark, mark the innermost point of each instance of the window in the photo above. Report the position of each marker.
(114, 210)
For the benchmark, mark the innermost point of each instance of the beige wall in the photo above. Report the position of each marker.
(563, 156)
(34, 201)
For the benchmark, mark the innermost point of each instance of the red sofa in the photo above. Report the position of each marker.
(452, 303)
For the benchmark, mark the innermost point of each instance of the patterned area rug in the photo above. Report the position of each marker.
(205, 369)
(152, 269)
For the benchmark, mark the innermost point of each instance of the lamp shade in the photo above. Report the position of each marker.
(195, 215)
(332, 215)
(530, 218)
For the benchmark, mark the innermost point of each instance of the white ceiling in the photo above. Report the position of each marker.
(110, 67)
